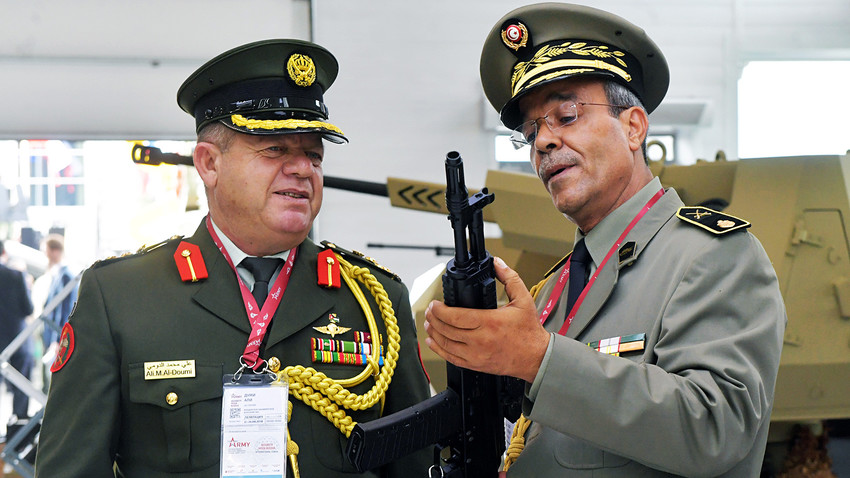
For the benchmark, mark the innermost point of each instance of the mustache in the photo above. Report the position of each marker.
(552, 163)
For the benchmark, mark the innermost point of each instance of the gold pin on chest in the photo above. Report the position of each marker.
(333, 328)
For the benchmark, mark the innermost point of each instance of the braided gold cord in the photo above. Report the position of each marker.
(536, 288)
(327, 395)
(521, 426)
(291, 446)
(517, 441)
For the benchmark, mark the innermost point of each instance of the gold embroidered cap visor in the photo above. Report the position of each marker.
(538, 44)
(265, 87)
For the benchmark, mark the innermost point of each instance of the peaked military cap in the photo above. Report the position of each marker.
(265, 87)
(546, 42)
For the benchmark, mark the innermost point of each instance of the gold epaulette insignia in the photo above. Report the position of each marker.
(142, 250)
(711, 220)
(145, 249)
(360, 257)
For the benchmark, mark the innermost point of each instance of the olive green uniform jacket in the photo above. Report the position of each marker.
(134, 310)
(696, 400)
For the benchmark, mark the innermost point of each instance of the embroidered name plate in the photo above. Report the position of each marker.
(173, 369)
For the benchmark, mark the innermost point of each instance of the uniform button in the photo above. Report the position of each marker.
(171, 398)
(274, 364)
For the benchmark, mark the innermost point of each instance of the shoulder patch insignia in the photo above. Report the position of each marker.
(360, 257)
(66, 348)
(711, 220)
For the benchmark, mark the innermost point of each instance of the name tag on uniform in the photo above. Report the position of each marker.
(173, 369)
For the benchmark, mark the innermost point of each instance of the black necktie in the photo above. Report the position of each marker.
(262, 269)
(579, 264)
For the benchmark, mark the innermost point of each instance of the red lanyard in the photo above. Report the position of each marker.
(259, 319)
(565, 273)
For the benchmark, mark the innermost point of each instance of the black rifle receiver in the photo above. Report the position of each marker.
(465, 420)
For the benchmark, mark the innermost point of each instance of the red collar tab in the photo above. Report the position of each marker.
(190, 263)
(328, 269)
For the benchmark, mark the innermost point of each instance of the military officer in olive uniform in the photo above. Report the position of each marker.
(653, 349)
(137, 384)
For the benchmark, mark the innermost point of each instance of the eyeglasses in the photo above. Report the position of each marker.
(562, 115)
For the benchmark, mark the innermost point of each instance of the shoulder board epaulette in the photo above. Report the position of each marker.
(142, 250)
(711, 220)
(360, 257)
(557, 266)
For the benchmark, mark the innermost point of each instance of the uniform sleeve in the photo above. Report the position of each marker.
(79, 431)
(409, 387)
(697, 408)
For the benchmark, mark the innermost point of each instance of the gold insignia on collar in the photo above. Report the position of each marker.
(301, 69)
(725, 223)
(515, 36)
(627, 252)
(333, 327)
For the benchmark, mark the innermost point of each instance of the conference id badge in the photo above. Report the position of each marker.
(253, 426)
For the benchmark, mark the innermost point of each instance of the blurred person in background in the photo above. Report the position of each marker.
(15, 306)
(52, 285)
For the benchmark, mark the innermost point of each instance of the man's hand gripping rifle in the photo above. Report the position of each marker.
(465, 420)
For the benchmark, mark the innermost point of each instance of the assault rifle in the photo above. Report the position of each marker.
(465, 421)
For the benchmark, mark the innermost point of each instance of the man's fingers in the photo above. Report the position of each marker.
(439, 345)
(456, 317)
(514, 286)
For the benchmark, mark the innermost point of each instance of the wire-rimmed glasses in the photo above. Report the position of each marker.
(561, 115)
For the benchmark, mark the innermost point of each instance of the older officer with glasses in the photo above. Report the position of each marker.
(653, 348)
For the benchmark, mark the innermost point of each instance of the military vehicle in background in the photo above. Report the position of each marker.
(799, 208)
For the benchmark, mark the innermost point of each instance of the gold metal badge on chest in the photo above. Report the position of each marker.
(333, 328)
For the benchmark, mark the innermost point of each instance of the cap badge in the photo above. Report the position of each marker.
(515, 36)
(301, 69)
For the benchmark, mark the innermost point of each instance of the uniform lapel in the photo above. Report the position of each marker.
(642, 233)
(304, 301)
(219, 293)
